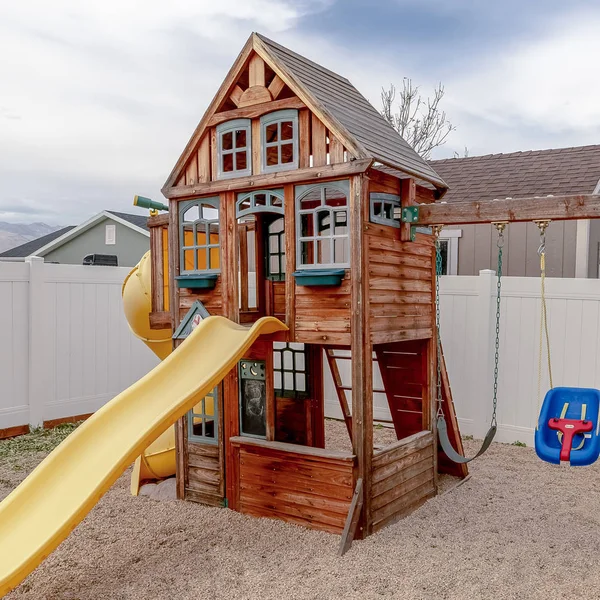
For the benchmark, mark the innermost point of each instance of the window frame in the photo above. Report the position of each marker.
(279, 255)
(451, 236)
(301, 191)
(278, 117)
(294, 393)
(393, 200)
(268, 208)
(203, 439)
(213, 201)
(232, 126)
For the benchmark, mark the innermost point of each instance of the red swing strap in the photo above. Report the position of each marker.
(569, 428)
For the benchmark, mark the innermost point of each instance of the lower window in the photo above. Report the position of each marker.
(203, 419)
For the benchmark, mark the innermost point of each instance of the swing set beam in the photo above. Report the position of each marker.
(512, 210)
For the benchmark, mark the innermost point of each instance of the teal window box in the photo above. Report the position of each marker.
(206, 281)
(314, 277)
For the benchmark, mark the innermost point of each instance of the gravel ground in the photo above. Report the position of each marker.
(519, 528)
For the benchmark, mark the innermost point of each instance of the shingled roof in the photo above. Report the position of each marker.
(340, 99)
(521, 174)
(29, 248)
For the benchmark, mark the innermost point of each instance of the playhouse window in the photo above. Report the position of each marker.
(279, 136)
(203, 419)
(322, 225)
(382, 207)
(270, 201)
(199, 236)
(290, 370)
(275, 250)
(233, 149)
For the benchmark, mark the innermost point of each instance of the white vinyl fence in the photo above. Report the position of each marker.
(468, 323)
(65, 346)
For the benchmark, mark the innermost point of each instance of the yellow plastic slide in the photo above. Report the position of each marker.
(158, 460)
(41, 512)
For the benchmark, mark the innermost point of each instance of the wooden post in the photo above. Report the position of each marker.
(408, 191)
(290, 259)
(351, 519)
(362, 362)
(228, 235)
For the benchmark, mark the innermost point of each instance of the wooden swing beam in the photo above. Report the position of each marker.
(553, 208)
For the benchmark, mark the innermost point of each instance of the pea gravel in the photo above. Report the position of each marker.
(518, 529)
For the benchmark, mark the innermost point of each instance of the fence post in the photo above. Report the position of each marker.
(486, 283)
(37, 364)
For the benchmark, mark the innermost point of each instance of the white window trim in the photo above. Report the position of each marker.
(110, 234)
(231, 126)
(452, 235)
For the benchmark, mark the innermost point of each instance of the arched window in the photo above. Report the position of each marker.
(383, 208)
(233, 149)
(322, 225)
(199, 236)
(279, 141)
(260, 201)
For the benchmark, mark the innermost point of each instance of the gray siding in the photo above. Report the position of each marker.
(130, 246)
(477, 249)
(594, 248)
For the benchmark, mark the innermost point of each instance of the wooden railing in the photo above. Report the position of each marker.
(160, 317)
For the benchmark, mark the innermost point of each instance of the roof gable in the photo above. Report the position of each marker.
(331, 98)
(76, 231)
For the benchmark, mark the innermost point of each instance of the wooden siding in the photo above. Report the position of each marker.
(403, 478)
(205, 482)
(400, 284)
(323, 314)
(306, 486)
(212, 300)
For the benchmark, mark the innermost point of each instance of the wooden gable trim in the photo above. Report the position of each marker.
(334, 126)
(222, 93)
(265, 180)
(229, 88)
(257, 110)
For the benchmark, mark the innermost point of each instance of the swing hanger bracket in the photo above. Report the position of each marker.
(436, 230)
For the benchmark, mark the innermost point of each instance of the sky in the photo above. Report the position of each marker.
(99, 98)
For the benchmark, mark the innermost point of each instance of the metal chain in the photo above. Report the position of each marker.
(500, 243)
(438, 271)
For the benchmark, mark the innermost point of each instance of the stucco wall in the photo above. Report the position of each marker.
(129, 248)
(477, 249)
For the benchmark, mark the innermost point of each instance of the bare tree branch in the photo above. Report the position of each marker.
(420, 122)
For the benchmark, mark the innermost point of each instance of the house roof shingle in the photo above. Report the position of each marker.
(558, 172)
(137, 220)
(28, 248)
(355, 113)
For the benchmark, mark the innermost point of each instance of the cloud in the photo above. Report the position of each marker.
(109, 92)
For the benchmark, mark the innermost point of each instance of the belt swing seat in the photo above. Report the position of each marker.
(442, 428)
(568, 426)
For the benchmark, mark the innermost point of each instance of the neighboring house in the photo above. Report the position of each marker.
(573, 247)
(108, 232)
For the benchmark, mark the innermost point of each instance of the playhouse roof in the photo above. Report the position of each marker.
(340, 99)
(336, 102)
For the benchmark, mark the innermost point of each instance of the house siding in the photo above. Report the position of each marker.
(477, 249)
(130, 245)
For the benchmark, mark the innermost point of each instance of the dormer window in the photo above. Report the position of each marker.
(279, 141)
(233, 149)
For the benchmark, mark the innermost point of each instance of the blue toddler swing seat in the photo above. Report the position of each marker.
(568, 426)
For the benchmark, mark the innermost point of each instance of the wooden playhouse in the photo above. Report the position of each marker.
(286, 201)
